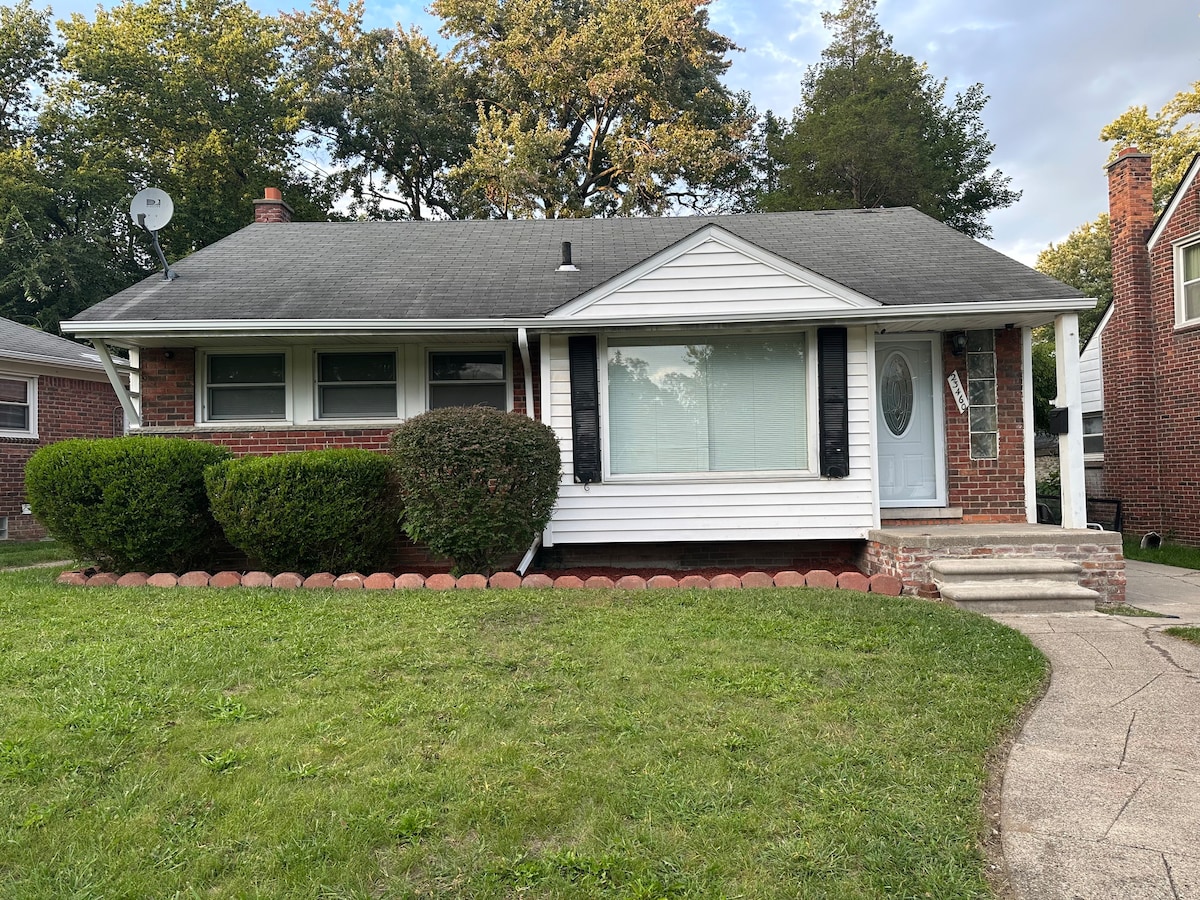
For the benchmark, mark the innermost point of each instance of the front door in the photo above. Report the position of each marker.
(908, 412)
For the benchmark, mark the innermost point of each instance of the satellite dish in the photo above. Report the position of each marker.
(151, 208)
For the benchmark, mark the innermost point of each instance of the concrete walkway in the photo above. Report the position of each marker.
(1101, 795)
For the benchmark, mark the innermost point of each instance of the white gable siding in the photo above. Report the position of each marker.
(796, 509)
(712, 278)
(1091, 377)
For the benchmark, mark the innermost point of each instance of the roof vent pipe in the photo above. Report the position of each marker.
(567, 265)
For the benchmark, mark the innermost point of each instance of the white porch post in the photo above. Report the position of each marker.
(1070, 445)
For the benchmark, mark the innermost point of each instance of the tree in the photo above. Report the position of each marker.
(27, 57)
(598, 107)
(397, 115)
(874, 128)
(1084, 261)
(1171, 137)
(187, 95)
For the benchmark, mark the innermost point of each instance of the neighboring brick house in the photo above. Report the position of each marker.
(767, 379)
(1151, 353)
(50, 390)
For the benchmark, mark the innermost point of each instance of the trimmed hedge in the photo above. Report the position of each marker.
(128, 503)
(314, 511)
(477, 484)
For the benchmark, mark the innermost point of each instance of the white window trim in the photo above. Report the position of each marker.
(811, 473)
(428, 350)
(1178, 250)
(202, 357)
(32, 431)
(351, 421)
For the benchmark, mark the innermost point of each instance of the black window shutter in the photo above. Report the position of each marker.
(585, 408)
(833, 402)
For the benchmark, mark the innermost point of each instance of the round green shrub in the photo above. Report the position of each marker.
(315, 511)
(477, 483)
(129, 503)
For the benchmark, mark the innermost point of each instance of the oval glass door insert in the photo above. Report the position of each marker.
(896, 393)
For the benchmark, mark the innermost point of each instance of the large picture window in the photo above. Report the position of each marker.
(736, 404)
(356, 385)
(467, 378)
(17, 413)
(246, 386)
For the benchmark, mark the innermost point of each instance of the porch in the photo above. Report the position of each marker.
(908, 552)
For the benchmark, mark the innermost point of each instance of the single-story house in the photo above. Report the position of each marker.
(750, 384)
(1150, 352)
(51, 389)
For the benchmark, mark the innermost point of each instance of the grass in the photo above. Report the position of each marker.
(583, 744)
(1167, 554)
(28, 553)
(1123, 609)
(1187, 633)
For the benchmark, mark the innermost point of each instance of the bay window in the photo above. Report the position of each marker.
(716, 404)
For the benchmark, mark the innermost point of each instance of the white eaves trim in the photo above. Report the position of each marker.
(198, 328)
(1176, 198)
(712, 233)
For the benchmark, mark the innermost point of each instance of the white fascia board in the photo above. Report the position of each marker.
(691, 242)
(1184, 186)
(130, 331)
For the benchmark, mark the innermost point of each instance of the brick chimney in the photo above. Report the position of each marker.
(271, 208)
(1131, 467)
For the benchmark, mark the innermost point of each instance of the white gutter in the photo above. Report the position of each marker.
(1002, 310)
(131, 412)
(523, 343)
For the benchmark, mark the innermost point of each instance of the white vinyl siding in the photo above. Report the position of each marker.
(1091, 376)
(717, 506)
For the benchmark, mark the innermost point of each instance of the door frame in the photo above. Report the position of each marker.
(937, 398)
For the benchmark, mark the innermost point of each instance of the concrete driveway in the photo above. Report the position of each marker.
(1101, 795)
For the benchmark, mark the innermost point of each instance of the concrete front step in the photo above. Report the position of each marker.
(1020, 596)
(986, 569)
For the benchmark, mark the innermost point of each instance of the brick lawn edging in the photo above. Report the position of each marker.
(886, 585)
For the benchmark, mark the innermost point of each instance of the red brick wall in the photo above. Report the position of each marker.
(67, 408)
(168, 386)
(1151, 405)
(989, 490)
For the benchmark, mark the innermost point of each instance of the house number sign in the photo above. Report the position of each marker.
(956, 388)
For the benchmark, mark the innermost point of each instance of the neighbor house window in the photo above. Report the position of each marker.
(468, 378)
(981, 394)
(1093, 433)
(18, 410)
(737, 404)
(356, 385)
(246, 386)
(1189, 282)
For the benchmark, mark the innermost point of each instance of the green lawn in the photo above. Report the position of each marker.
(1167, 554)
(567, 744)
(28, 553)
(1187, 633)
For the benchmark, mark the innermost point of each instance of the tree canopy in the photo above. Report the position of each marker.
(874, 128)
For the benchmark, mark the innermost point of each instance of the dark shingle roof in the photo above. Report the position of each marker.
(19, 342)
(501, 269)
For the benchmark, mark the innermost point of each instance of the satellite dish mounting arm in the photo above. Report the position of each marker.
(169, 274)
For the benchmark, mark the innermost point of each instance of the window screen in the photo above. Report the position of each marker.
(248, 386)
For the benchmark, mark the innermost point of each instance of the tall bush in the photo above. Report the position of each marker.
(129, 503)
(477, 484)
(316, 511)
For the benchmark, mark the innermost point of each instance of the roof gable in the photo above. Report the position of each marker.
(712, 274)
(1173, 204)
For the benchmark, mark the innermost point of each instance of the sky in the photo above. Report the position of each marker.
(1057, 72)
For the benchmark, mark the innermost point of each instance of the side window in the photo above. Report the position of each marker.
(1093, 432)
(245, 386)
(1188, 262)
(467, 378)
(18, 406)
(356, 385)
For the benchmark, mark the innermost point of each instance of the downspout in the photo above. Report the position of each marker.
(131, 412)
(526, 365)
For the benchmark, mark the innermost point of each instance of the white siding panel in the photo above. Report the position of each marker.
(693, 510)
(713, 278)
(1091, 377)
